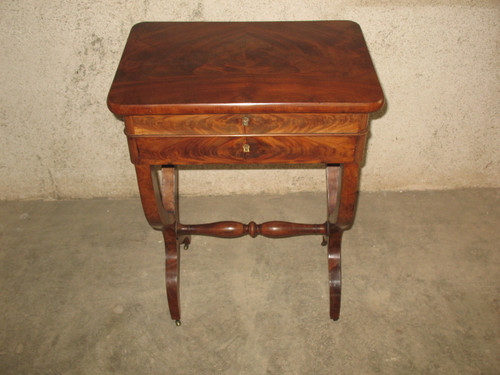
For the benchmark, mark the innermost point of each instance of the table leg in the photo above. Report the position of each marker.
(172, 264)
(158, 189)
(342, 188)
(149, 189)
(169, 198)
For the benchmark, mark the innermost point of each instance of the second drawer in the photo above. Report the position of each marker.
(243, 150)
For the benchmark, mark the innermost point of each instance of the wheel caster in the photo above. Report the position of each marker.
(178, 323)
(324, 242)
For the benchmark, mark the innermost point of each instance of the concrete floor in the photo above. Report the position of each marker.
(82, 289)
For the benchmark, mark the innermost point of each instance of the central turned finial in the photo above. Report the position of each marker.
(253, 229)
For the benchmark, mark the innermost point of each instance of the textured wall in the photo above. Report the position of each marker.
(438, 62)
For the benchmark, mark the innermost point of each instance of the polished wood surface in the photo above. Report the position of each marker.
(246, 93)
(168, 178)
(271, 229)
(245, 67)
(275, 123)
(245, 150)
(334, 189)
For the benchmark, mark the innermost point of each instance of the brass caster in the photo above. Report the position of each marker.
(186, 246)
(178, 323)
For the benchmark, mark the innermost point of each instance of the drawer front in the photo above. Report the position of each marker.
(289, 123)
(243, 150)
(306, 123)
(184, 125)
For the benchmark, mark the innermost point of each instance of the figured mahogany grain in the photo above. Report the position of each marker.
(245, 67)
(157, 125)
(306, 123)
(224, 124)
(230, 150)
(246, 93)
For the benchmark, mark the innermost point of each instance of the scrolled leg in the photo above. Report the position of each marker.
(172, 263)
(334, 271)
(168, 182)
(342, 187)
(158, 188)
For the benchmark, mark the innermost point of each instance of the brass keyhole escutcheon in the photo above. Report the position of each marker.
(246, 147)
(245, 121)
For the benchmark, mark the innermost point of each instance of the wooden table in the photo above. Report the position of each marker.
(245, 93)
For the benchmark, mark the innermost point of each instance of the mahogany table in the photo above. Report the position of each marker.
(245, 93)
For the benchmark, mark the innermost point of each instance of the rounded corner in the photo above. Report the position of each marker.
(112, 106)
(139, 25)
(378, 105)
(353, 23)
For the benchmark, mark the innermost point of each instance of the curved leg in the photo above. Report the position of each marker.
(147, 179)
(334, 271)
(172, 263)
(170, 203)
(158, 188)
(348, 196)
(342, 190)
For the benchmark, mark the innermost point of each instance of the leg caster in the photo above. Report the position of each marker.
(178, 323)
(324, 242)
(186, 241)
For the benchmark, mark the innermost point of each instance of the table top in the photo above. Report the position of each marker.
(245, 67)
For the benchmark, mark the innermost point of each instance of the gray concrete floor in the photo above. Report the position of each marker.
(82, 289)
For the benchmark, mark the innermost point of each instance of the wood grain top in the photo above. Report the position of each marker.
(245, 67)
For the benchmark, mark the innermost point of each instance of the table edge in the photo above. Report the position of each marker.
(241, 108)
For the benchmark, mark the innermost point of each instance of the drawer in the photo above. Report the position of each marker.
(306, 123)
(243, 150)
(238, 124)
(184, 125)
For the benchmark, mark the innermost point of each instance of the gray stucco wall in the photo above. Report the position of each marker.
(438, 62)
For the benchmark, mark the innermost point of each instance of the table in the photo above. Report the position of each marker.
(201, 93)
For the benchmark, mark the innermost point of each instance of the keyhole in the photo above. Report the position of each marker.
(246, 147)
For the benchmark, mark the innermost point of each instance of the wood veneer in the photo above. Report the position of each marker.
(200, 93)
